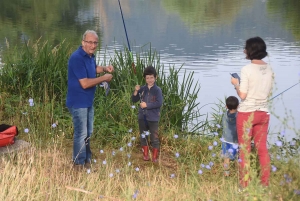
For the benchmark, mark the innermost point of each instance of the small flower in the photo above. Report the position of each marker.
(54, 125)
(111, 175)
(293, 143)
(202, 165)
(30, 100)
(88, 171)
(222, 139)
(121, 149)
(200, 172)
(278, 143)
(104, 162)
(297, 192)
(133, 106)
(143, 135)
(137, 169)
(207, 167)
(172, 176)
(101, 151)
(218, 125)
(287, 178)
(213, 155)
(31, 104)
(235, 146)
(113, 153)
(135, 194)
(282, 133)
(215, 143)
(133, 138)
(210, 147)
(177, 155)
(175, 136)
(274, 168)
(230, 151)
(278, 157)
(130, 130)
(216, 133)
(211, 164)
(147, 132)
(129, 144)
(95, 161)
(26, 130)
(239, 160)
(128, 155)
(117, 171)
(24, 113)
(129, 164)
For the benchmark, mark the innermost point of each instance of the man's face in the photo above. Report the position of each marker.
(89, 44)
(150, 80)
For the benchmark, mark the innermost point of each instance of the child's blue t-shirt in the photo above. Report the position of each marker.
(229, 127)
(81, 65)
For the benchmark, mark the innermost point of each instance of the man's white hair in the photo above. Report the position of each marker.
(89, 32)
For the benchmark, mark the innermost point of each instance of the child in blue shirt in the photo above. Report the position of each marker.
(230, 140)
(151, 100)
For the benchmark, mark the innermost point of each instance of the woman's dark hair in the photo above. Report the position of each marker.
(255, 48)
(232, 102)
(149, 70)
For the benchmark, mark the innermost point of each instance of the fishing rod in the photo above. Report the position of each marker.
(133, 66)
(284, 91)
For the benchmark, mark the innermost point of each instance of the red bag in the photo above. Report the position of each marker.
(7, 134)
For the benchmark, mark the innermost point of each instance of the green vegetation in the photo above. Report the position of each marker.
(190, 166)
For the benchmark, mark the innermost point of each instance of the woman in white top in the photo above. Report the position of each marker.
(253, 118)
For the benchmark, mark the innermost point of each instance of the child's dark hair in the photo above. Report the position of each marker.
(149, 70)
(232, 103)
(255, 48)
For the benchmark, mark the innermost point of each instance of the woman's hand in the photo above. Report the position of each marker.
(234, 81)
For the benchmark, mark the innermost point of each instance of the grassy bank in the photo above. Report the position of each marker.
(190, 166)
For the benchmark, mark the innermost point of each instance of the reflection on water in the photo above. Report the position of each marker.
(206, 36)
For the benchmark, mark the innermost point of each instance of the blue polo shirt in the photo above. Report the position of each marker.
(81, 65)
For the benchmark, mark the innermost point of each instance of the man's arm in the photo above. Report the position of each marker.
(102, 69)
(90, 82)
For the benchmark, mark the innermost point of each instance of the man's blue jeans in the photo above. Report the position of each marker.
(83, 119)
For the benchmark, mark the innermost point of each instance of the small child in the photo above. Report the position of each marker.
(151, 99)
(230, 142)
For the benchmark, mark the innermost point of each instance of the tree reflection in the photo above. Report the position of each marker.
(204, 15)
(291, 14)
(53, 20)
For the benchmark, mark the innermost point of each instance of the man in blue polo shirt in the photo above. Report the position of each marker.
(82, 81)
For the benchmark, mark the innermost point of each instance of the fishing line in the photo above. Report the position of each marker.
(124, 26)
(284, 91)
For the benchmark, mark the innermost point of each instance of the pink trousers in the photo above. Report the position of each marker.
(253, 125)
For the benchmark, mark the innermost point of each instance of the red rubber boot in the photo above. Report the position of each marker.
(155, 155)
(145, 152)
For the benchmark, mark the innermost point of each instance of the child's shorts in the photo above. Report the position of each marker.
(229, 150)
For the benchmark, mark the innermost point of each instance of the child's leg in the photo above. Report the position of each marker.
(144, 139)
(143, 127)
(153, 127)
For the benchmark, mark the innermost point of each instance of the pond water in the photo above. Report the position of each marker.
(206, 36)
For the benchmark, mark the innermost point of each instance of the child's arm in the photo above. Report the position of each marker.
(135, 96)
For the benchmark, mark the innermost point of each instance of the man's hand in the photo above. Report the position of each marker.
(107, 77)
(109, 69)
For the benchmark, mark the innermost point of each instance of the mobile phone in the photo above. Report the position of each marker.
(235, 75)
